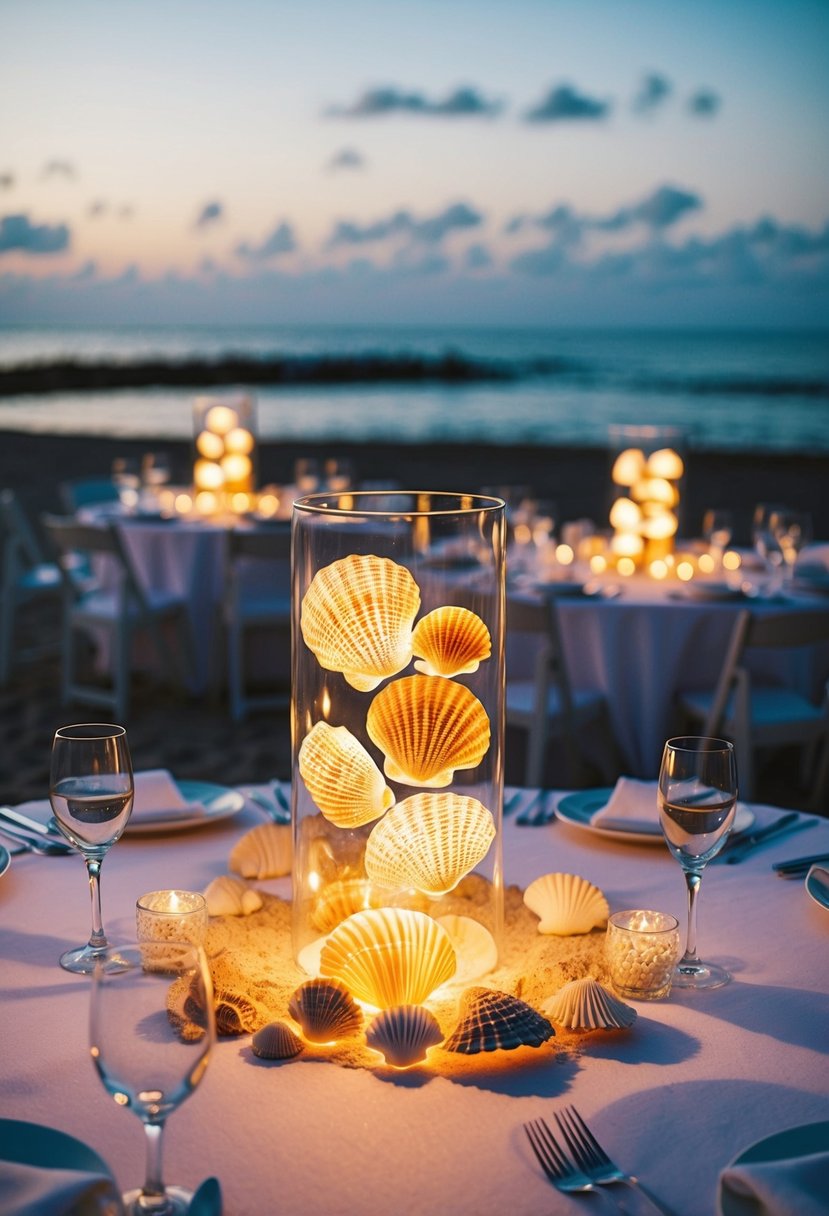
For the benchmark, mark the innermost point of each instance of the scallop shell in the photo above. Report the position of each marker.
(429, 841)
(566, 904)
(389, 956)
(226, 896)
(404, 1034)
(276, 1041)
(496, 1021)
(427, 727)
(235, 1013)
(338, 900)
(585, 1005)
(263, 852)
(325, 1010)
(357, 618)
(474, 946)
(450, 641)
(341, 777)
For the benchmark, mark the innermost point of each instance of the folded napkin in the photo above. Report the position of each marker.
(793, 1186)
(28, 1190)
(632, 807)
(158, 797)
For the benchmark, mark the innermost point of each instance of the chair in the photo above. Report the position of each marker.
(118, 604)
(85, 492)
(255, 597)
(754, 712)
(27, 577)
(547, 706)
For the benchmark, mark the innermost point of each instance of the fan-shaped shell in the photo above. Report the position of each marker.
(585, 1005)
(341, 777)
(325, 1010)
(427, 727)
(357, 618)
(276, 1041)
(404, 1034)
(340, 899)
(389, 956)
(450, 641)
(566, 904)
(429, 841)
(235, 1013)
(474, 945)
(263, 852)
(496, 1021)
(227, 896)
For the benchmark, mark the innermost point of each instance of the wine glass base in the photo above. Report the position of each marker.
(700, 975)
(174, 1202)
(82, 960)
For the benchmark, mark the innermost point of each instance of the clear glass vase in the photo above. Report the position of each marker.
(225, 454)
(398, 716)
(647, 474)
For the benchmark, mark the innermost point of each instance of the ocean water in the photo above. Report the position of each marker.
(742, 391)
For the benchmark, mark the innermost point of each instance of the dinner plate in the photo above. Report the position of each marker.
(817, 885)
(792, 1142)
(218, 801)
(708, 591)
(5, 859)
(36, 1145)
(559, 587)
(579, 808)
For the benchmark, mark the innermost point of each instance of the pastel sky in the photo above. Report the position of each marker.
(471, 161)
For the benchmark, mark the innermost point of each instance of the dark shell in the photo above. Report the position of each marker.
(235, 1013)
(325, 1010)
(496, 1021)
(276, 1041)
(187, 1016)
(404, 1034)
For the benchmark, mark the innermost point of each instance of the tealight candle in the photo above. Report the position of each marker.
(171, 916)
(642, 950)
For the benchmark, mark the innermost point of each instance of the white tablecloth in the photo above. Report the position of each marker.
(698, 1079)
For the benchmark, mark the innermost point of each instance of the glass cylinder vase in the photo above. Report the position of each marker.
(647, 470)
(224, 461)
(398, 728)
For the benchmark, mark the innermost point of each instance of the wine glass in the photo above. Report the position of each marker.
(152, 1029)
(792, 530)
(717, 528)
(697, 797)
(766, 543)
(91, 792)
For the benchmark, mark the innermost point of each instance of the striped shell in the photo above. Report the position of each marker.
(357, 618)
(429, 841)
(586, 1005)
(427, 727)
(226, 896)
(404, 1034)
(450, 641)
(341, 777)
(235, 1013)
(325, 1010)
(276, 1041)
(340, 899)
(566, 904)
(496, 1021)
(474, 945)
(263, 852)
(389, 956)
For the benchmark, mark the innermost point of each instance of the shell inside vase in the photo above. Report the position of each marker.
(341, 777)
(263, 852)
(429, 842)
(450, 641)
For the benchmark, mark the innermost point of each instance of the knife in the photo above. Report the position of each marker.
(798, 865)
(790, 822)
(23, 821)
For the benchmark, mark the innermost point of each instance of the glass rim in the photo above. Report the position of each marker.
(199, 902)
(321, 503)
(108, 730)
(698, 743)
(669, 927)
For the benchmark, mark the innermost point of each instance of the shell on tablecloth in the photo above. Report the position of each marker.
(236, 1013)
(496, 1021)
(325, 1010)
(404, 1034)
(263, 852)
(566, 904)
(357, 618)
(341, 777)
(475, 946)
(429, 841)
(276, 1041)
(450, 641)
(228, 896)
(428, 727)
(586, 1005)
(389, 956)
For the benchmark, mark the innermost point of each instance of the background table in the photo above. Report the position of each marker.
(699, 1078)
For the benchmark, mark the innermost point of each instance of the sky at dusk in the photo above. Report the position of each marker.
(538, 162)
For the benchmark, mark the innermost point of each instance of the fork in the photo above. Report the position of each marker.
(591, 1158)
(557, 1166)
(538, 811)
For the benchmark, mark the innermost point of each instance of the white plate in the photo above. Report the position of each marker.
(47, 1148)
(218, 801)
(817, 885)
(793, 1142)
(579, 808)
(5, 859)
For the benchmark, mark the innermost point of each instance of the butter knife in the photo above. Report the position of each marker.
(24, 821)
(790, 822)
(797, 866)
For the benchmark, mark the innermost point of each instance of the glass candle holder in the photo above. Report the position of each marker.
(171, 916)
(642, 949)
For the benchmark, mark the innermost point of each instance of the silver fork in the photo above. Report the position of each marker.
(557, 1166)
(591, 1158)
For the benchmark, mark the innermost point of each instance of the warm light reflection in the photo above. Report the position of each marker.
(706, 563)
(658, 569)
(598, 563)
(626, 566)
(731, 560)
(564, 555)
(685, 570)
(206, 502)
(183, 504)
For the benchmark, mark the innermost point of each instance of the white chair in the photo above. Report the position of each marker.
(27, 577)
(755, 713)
(117, 604)
(546, 705)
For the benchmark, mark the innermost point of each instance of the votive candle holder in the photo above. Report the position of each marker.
(642, 949)
(171, 916)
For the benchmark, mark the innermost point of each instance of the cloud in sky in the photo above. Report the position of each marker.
(430, 230)
(563, 103)
(58, 168)
(210, 213)
(280, 242)
(346, 158)
(704, 103)
(17, 232)
(464, 102)
(6, 181)
(653, 91)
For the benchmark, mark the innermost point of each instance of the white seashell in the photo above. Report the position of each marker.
(496, 1021)
(276, 1041)
(357, 618)
(325, 1010)
(263, 852)
(341, 777)
(566, 904)
(389, 956)
(450, 641)
(340, 899)
(475, 947)
(429, 841)
(427, 727)
(585, 1005)
(226, 896)
(404, 1034)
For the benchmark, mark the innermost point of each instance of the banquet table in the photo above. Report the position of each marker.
(697, 1079)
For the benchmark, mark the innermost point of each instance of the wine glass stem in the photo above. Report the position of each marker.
(692, 883)
(153, 1185)
(97, 940)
